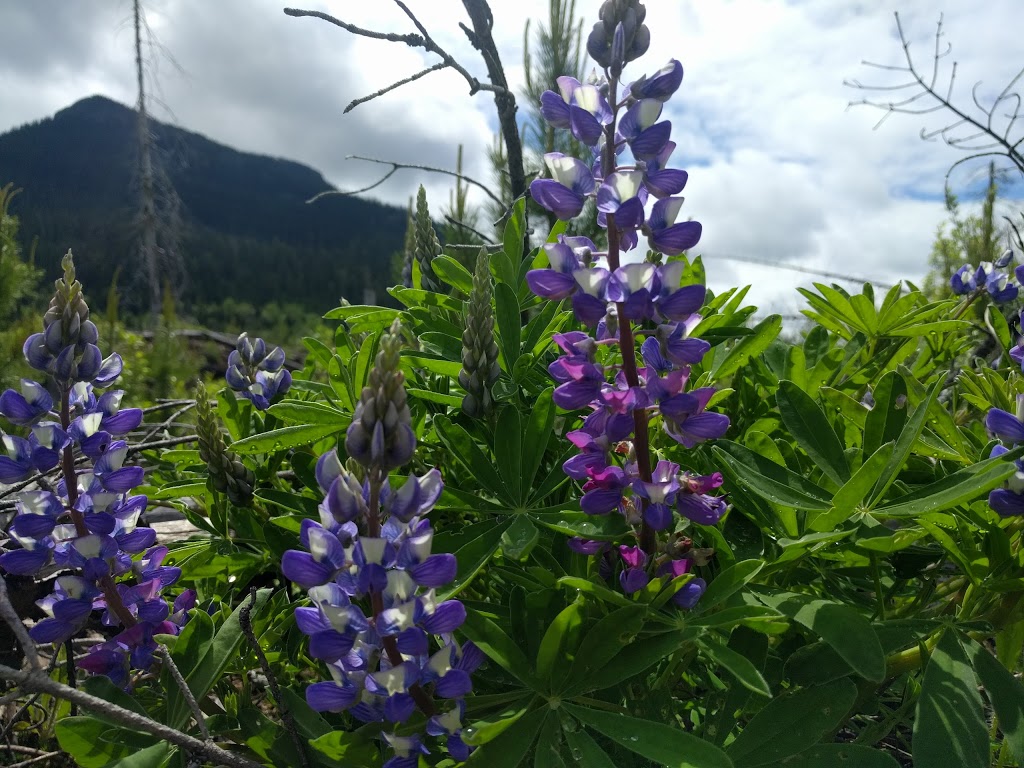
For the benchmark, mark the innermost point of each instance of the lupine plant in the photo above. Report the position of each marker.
(88, 524)
(570, 508)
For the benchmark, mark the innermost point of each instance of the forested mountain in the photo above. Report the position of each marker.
(247, 234)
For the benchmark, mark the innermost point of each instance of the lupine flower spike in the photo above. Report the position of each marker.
(256, 374)
(479, 349)
(373, 616)
(427, 246)
(620, 301)
(88, 525)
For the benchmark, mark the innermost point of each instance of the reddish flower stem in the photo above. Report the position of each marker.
(627, 343)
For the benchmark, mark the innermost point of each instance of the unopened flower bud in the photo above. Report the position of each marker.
(227, 474)
(381, 435)
(427, 246)
(479, 350)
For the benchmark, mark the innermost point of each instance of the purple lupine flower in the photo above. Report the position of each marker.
(667, 236)
(255, 374)
(395, 573)
(641, 130)
(661, 85)
(677, 302)
(634, 287)
(28, 406)
(1007, 426)
(607, 294)
(557, 282)
(661, 181)
(565, 193)
(660, 493)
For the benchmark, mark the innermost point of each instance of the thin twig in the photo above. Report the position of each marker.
(37, 681)
(161, 443)
(179, 680)
(423, 40)
(166, 423)
(245, 622)
(387, 89)
(395, 166)
(36, 760)
(11, 618)
(463, 225)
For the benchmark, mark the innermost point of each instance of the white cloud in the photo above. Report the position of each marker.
(780, 170)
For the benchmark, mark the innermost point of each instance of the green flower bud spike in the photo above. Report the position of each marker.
(227, 474)
(427, 245)
(479, 350)
(381, 436)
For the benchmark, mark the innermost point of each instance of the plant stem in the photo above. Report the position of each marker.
(627, 343)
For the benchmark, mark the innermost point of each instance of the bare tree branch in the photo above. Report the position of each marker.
(927, 90)
(193, 705)
(395, 166)
(412, 78)
(245, 622)
(11, 618)
(423, 40)
(36, 681)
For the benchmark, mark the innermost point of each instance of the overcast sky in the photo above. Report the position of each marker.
(780, 170)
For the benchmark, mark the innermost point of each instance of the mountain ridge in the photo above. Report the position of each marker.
(248, 232)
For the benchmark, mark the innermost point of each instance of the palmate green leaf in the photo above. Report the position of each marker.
(535, 439)
(764, 334)
(559, 640)
(767, 479)
(432, 363)
(508, 450)
(904, 445)
(471, 456)
(96, 744)
(513, 238)
(510, 748)
(473, 547)
(602, 642)
(548, 752)
(850, 755)
(310, 413)
(638, 657)
(839, 625)
(585, 751)
(452, 272)
(852, 495)
(664, 744)
(599, 591)
(792, 723)
(520, 538)
(738, 665)
(949, 727)
(209, 668)
(507, 315)
(285, 437)
(452, 401)
(885, 421)
(483, 731)
(957, 488)
(1004, 691)
(415, 297)
(499, 647)
(807, 424)
(597, 527)
(728, 582)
